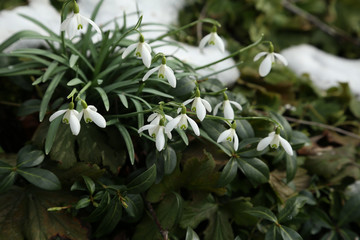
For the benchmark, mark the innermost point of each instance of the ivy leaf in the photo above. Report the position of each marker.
(24, 215)
(219, 228)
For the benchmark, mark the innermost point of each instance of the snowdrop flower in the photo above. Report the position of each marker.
(228, 110)
(75, 22)
(274, 140)
(199, 105)
(71, 116)
(143, 51)
(155, 117)
(212, 39)
(91, 115)
(181, 121)
(164, 72)
(157, 131)
(230, 135)
(269, 59)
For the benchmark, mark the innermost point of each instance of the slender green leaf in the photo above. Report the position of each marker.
(139, 109)
(183, 136)
(135, 207)
(48, 94)
(49, 71)
(41, 178)
(40, 24)
(74, 82)
(83, 203)
(142, 182)
(262, 212)
(291, 167)
(51, 134)
(123, 100)
(128, 142)
(100, 209)
(104, 97)
(73, 59)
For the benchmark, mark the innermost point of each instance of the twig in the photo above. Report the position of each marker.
(164, 233)
(334, 32)
(322, 125)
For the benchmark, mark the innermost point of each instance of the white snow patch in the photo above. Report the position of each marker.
(325, 70)
(154, 11)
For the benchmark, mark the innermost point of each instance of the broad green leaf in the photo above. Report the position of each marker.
(24, 215)
(143, 181)
(262, 212)
(51, 134)
(291, 208)
(135, 207)
(196, 212)
(41, 178)
(48, 94)
(111, 218)
(28, 157)
(228, 173)
(291, 166)
(247, 148)
(90, 184)
(5, 168)
(289, 234)
(244, 129)
(104, 97)
(219, 228)
(280, 119)
(191, 234)
(351, 211)
(7, 180)
(128, 142)
(170, 160)
(273, 233)
(83, 203)
(254, 169)
(100, 209)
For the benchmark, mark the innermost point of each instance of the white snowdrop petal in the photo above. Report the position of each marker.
(236, 142)
(152, 117)
(172, 124)
(146, 57)
(228, 111)
(74, 124)
(150, 72)
(92, 23)
(264, 143)
(236, 104)
(147, 46)
(97, 118)
(160, 140)
(71, 29)
(219, 43)
(200, 110)
(281, 58)
(187, 101)
(64, 25)
(259, 55)
(224, 135)
(194, 126)
(204, 41)
(170, 76)
(146, 127)
(92, 108)
(206, 104)
(129, 49)
(216, 108)
(286, 145)
(57, 114)
(265, 66)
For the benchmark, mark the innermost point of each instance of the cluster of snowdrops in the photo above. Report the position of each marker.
(160, 124)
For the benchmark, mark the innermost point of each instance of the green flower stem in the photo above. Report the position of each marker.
(84, 89)
(208, 20)
(233, 54)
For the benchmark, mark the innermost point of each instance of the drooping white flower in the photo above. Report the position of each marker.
(212, 39)
(155, 117)
(143, 51)
(91, 115)
(230, 136)
(228, 110)
(75, 22)
(71, 117)
(199, 105)
(157, 131)
(181, 121)
(164, 72)
(274, 140)
(269, 59)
